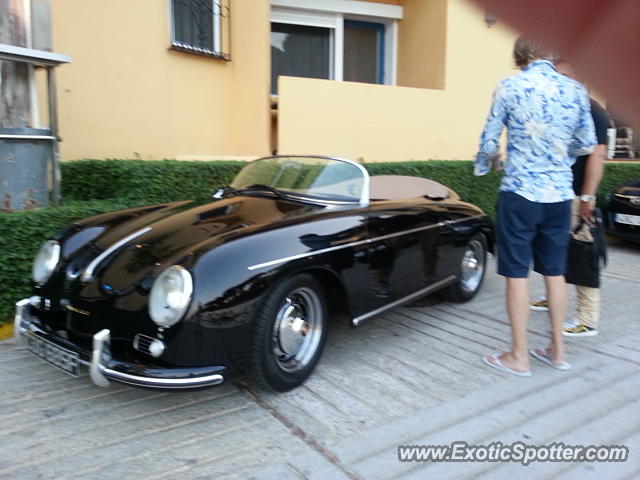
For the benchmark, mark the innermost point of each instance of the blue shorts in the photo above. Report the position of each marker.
(530, 230)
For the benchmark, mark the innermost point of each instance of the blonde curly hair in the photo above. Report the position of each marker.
(527, 50)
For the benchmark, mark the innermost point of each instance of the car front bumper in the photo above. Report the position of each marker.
(103, 369)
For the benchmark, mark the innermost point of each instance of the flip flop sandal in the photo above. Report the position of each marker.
(499, 366)
(543, 356)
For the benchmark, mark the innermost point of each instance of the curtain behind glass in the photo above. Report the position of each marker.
(299, 51)
(360, 55)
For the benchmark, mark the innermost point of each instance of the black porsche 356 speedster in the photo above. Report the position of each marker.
(185, 295)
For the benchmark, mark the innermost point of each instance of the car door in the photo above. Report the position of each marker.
(406, 249)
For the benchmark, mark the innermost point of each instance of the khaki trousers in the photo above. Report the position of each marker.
(588, 299)
(588, 306)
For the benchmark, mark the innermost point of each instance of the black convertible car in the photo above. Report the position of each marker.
(622, 211)
(185, 295)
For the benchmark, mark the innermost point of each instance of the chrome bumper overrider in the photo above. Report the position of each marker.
(98, 367)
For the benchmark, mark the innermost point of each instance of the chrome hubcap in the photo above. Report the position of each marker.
(472, 266)
(298, 329)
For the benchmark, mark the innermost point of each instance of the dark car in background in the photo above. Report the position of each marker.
(622, 211)
(186, 295)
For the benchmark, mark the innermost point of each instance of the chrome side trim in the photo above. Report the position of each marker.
(88, 272)
(408, 232)
(459, 220)
(307, 254)
(360, 242)
(431, 288)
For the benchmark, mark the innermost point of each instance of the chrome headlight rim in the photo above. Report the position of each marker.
(45, 262)
(167, 305)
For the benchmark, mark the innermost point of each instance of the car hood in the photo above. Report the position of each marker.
(135, 243)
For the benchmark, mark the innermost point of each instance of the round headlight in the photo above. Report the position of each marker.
(45, 261)
(170, 296)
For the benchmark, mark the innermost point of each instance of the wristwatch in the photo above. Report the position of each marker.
(586, 198)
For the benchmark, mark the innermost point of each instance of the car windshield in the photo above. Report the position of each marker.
(318, 178)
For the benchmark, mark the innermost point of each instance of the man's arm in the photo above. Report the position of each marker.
(594, 169)
(584, 137)
(489, 151)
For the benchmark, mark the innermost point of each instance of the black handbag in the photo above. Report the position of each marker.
(585, 259)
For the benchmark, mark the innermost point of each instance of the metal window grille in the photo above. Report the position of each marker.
(202, 27)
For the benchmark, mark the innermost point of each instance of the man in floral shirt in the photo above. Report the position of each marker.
(549, 124)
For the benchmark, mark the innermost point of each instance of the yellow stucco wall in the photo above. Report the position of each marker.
(127, 95)
(251, 54)
(422, 44)
(384, 123)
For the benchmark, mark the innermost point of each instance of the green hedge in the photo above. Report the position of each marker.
(152, 181)
(91, 187)
(168, 180)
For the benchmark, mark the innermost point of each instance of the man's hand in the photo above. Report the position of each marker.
(496, 162)
(586, 211)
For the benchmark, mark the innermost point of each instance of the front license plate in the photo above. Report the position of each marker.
(627, 219)
(64, 359)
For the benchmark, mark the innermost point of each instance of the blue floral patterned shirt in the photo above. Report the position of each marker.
(549, 124)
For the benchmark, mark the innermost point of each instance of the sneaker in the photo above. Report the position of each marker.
(581, 330)
(571, 323)
(540, 304)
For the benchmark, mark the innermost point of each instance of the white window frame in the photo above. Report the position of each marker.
(216, 30)
(331, 14)
(353, 7)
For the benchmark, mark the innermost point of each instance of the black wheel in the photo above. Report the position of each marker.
(291, 328)
(473, 265)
